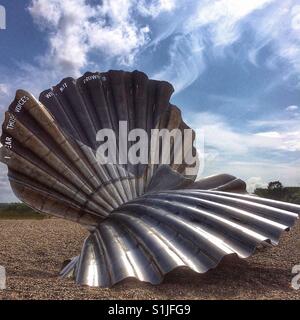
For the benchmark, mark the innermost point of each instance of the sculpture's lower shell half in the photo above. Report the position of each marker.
(152, 235)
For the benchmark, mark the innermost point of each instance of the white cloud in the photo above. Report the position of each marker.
(114, 29)
(282, 132)
(186, 62)
(248, 155)
(219, 135)
(156, 7)
(205, 25)
(222, 17)
(286, 172)
(274, 123)
(288, 140)
(77, 28)
(4, 90)
(295, 22)
(279, 27)
(218, 24)
(269, 134)
(292, 108)
(255, 182)
(264, 170)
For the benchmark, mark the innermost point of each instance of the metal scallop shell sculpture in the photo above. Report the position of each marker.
(144, 219)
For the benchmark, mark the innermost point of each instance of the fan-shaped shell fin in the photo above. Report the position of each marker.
(150, 236)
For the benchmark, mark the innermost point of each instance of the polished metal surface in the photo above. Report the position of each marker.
(148, 237)
(144, 219)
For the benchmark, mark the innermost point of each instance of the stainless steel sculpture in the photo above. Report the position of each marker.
(144, 219)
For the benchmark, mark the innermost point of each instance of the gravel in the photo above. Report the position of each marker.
(32, 251)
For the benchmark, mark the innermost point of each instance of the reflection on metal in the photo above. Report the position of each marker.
(144, 220)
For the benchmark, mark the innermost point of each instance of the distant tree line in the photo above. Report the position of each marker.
(18, 210)
(277, 191)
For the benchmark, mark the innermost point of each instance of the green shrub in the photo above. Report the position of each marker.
(287, 194)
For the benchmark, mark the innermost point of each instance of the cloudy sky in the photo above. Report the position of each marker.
(235, 66)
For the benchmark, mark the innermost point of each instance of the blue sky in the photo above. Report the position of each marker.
(235, 66)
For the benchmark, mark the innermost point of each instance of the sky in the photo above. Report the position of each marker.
(234, 64)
